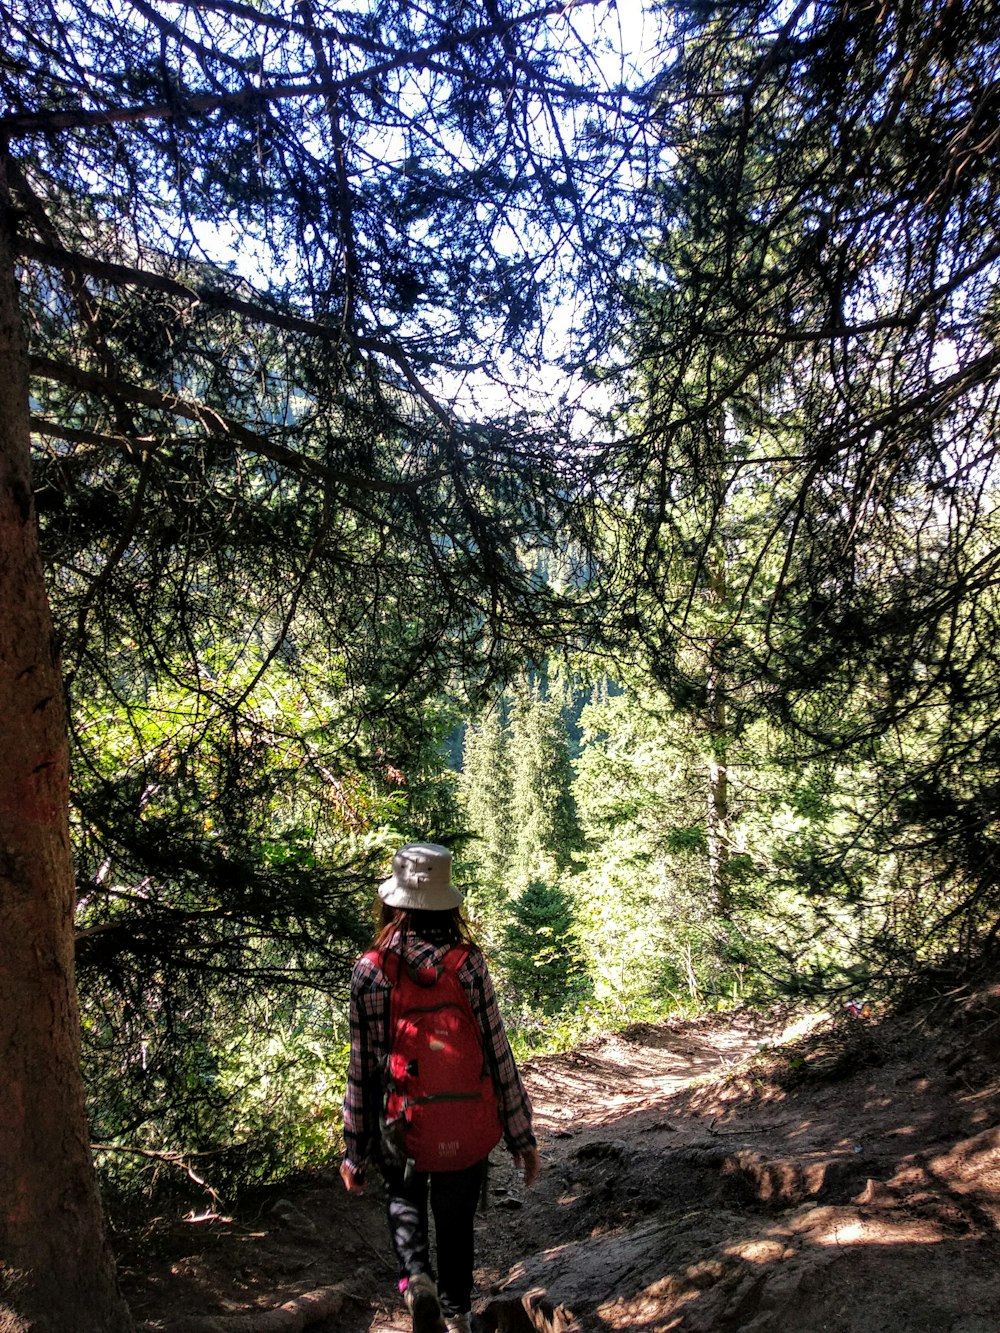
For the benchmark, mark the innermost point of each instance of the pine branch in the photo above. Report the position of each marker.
(205, 104)
(217, 425)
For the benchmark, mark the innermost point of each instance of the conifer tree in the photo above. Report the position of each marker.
(543, 820)
(542, 956)
(248, 255)
(486, 792)
(816, 385)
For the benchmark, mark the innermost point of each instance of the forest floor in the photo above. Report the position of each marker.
(739, 1172)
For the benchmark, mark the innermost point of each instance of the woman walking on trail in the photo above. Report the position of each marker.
(432, 1085)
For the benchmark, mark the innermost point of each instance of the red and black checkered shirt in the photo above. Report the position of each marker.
(370, 1023)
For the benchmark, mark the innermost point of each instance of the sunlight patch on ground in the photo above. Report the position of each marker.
(859, 1231)
(803, 1026)
(759, 1251)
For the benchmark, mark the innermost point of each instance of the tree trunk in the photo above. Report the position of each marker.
(718, 837)
(56, 1270)
(717, 822)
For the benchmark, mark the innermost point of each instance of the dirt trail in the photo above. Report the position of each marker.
(698, 1176)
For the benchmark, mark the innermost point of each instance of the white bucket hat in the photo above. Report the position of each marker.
(421, 879)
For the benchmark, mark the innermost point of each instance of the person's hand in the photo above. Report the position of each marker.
(530, 1162)
(353, 1178)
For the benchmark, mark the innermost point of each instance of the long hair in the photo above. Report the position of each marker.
(449, 925)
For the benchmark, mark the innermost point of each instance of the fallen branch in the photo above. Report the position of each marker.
(309, 1308)
(179, 1160)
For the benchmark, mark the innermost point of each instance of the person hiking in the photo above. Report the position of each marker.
(428, 1140)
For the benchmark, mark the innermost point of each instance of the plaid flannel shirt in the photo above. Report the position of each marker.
(370, 994)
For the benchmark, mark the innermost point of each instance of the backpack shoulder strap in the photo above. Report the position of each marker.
(452, 963)
(455, 957)
(388, 963)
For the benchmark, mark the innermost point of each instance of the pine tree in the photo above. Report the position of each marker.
(815, 390)
(241, 241)
(543, 821)
(485, 791)
(542, 957)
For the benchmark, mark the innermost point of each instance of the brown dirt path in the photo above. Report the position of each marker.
(697, 1177)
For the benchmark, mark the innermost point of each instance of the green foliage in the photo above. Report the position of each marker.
(283, 537)
(798, 522)
(542, 955)
(484, 789)
(234, 1099)
(542, 818)
(517, 797)
(279, 530)
(651, 925)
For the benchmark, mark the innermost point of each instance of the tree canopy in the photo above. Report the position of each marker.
(274, 264)
(270, 261)
(804, 501)
(282, 290)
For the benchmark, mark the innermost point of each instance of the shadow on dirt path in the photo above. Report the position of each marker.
(738, 1172)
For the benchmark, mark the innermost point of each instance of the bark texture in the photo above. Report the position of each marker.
(56, 1271)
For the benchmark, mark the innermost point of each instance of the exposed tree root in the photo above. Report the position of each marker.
(309, 1308)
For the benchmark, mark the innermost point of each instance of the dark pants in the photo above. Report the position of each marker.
(454, 1196)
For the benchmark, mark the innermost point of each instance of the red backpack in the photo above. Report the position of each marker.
(440, 1110)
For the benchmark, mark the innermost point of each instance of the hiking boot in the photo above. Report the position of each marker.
(422, 1302)
(458, 1323)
